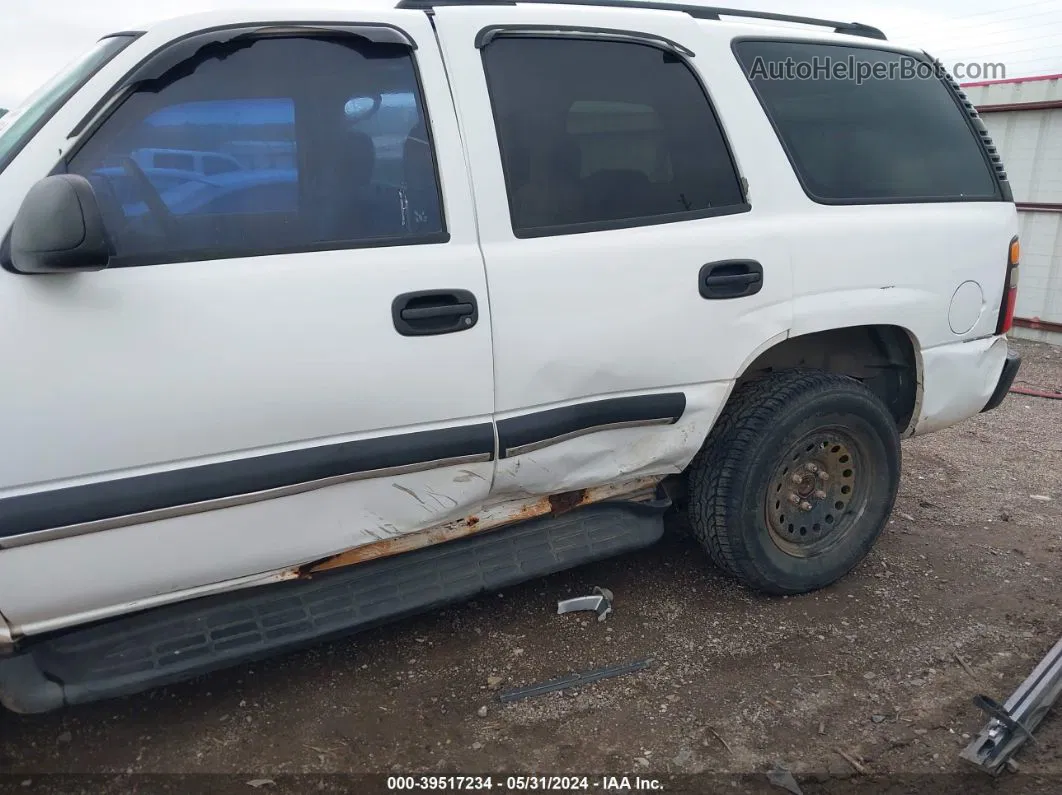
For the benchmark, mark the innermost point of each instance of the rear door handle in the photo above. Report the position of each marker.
(427, 312)
(734, 278)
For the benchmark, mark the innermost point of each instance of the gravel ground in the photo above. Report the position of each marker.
(968, 569)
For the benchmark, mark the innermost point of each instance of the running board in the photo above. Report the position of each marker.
(170, 644)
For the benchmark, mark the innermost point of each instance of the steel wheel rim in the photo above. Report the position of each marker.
(819, 492)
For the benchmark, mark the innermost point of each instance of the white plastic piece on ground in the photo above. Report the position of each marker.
(600, 602)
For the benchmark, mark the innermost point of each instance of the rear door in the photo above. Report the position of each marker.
(630, 277)
(284, 360)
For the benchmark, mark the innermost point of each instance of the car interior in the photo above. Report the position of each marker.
(330, 196)
(583, 146)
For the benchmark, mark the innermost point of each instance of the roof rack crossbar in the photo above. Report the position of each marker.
(698, 12)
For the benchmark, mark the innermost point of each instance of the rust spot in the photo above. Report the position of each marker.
(566, 501)
(390, 546)
(556, 504)
(539, 507)
(306, 570)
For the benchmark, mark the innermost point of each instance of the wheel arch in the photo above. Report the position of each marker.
(887, 358)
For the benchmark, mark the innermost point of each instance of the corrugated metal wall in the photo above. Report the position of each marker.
(1025, 120)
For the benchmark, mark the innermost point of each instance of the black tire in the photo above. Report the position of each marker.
(769, 432)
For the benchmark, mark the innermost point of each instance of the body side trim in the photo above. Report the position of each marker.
(527, 432)
(74, 510)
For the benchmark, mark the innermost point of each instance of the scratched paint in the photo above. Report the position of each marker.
(466, 476)
(614, 455)
(208, 552)
(344, 524)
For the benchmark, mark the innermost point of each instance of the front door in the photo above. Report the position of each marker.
(290, 355)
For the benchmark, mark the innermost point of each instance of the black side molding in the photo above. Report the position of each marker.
(520, 434)
(44, 510)
(1006, 380)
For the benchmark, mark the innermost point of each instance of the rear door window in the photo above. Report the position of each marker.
(605, 135)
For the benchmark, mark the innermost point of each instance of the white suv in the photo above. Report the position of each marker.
(616, 257)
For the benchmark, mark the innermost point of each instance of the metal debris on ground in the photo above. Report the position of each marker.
(782, 778)
(572, 680)
(600, 602)
(1011, 724)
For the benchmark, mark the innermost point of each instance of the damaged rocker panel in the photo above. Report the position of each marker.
(643, 490)
(490, 518)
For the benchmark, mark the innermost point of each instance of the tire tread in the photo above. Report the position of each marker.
(719, 468)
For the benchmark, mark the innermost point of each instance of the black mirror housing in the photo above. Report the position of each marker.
(59, 228)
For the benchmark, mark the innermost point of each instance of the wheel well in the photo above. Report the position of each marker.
(882, 357)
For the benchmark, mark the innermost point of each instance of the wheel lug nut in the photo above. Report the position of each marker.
(793, 499)
(805, 506)
(823, 476)
(820, 495)
(797, 479)
(812, 468)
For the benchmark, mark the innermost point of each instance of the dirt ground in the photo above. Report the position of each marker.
(968, 569)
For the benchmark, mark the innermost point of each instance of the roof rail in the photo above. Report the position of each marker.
(696, 11)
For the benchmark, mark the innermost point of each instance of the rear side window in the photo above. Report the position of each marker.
(865, 126)
(604, 135)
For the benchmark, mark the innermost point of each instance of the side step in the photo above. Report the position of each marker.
(170, 644)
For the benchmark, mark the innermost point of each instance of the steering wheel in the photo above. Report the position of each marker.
(167, 221)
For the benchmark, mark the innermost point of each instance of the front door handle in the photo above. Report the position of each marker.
(434, 312)
(733, 278)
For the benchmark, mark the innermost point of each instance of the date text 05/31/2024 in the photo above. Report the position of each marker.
(603, 784)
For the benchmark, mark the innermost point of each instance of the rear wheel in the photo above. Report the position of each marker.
(796, 481)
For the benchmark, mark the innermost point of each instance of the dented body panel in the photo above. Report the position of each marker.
(958, 381)
(110, 572)
(211, 426)
(491, 517)
(368, 542)
(614, 454)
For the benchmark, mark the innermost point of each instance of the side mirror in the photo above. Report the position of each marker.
(59, 228)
